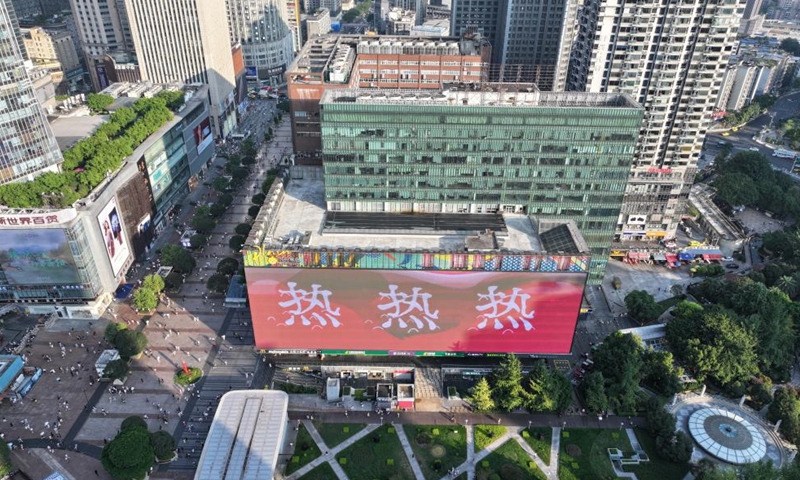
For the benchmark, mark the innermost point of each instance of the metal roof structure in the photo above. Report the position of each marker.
(246, 436)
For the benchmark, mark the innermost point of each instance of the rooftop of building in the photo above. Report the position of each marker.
(70, 130)
(245, 437)
(300, 220)
(125, 93)
(318, 14)
(700, 196)
(331, 52)
(481, 94)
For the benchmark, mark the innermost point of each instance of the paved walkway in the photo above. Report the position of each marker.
(552, 473)
(401, 434)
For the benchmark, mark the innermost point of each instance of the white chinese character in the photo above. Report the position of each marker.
(304, 302)
(405, 305)
(501, 306)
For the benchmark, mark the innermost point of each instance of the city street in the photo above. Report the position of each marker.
(784, 108)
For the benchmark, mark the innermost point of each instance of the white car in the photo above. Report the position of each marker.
(727, 259)
(754, 149)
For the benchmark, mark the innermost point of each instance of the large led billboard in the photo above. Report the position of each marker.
(38, 256)
(113, 236)
(413, 311)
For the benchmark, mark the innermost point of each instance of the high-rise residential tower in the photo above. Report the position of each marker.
(103, 29)
(187, 41)
(263, 27)
(671, 58)
(531, 39)
(27, 145)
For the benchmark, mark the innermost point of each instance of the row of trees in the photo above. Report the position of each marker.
(749, 112)
(90, 161)
(128, 343)
(621, 364)
(541, 391)
(747, 178)
(145, 298)
(219, 281)
(134, 451)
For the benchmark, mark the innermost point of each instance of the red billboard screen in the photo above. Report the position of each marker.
(414, 310)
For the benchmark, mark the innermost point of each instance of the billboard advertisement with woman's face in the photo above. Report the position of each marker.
(113, 236)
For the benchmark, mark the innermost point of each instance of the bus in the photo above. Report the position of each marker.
(781, 153)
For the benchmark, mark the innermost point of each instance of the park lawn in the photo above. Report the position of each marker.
(509, 460)
(486, 434)
(336, 433)
(323, 472)
(541, 447)
(305, 451)
(657, 467)
(584, 454)
(368, 460)
(446, 443)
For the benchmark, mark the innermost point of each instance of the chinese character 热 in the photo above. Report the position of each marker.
(404, 307)
(315, 304)
(500, 306)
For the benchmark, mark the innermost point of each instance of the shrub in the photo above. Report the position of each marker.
(163, 445)
(134, 421)
(112, 329)
(181, 378)
(116, 369)
(130, 343)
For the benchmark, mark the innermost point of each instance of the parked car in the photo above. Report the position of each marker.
(732, 266)
(727, 259)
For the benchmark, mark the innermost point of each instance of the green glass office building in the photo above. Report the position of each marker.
(496, 148)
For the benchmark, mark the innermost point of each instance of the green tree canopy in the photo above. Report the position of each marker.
(482, 401)
(508, 391)
(178, 258)
(258, 199)
(218, 283)
(619, 358)
(791, 45)
(112, 329)
(198, 240)
(163, 445)
(785, 406)
(99, 101)
(736, 189)
(236, 242)
(226, 199)
(594, 393)
(134, 421)
(116, 369)
(153, 282)
(217, 210)
(253, 211)
(548, 391)
(659, 372)
(228, 266)
(130, 343)
(243, 229)
(129, 455)
(144, 300)
(220, 184)
(641, 306)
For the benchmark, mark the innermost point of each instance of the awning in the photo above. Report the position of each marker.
(671, 257)
(407, 404)
(659, 257)
(639, 255)
(704, 251)
(684, 256)
(712, 257)
(657, 234)
(618, 253)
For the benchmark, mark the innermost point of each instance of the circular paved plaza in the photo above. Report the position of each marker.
(727, 436)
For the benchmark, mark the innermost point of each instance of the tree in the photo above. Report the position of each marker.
(619, 358)
(163, 445)
(641, 306)
(659, 372)
(228, 266)
(243, 229)
(786, 407)
(594, 393)
(508, 391)
(178, 258)
(173, 99)
(253, 211)
(791, 45)
(236, 242)
(482, 397)
(145, 300)
(239, 174)
(129, 455)
(736, 189)
(198, 240)
(258, 199)
(220, 184)
(153, 282)
(217, 210)
(112, 329)
(225, 199)
(130, 343)
(218, 283)
(548, 391)
(203, 224)
(676, 290)
(134, 421)
(116, 369)
(98, 101)
(672, 444)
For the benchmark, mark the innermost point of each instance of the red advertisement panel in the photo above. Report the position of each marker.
(414, 310)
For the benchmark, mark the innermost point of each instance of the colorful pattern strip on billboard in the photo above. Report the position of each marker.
(419, 311)
(416, 261)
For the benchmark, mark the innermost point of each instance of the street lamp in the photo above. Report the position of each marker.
(529, 424)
